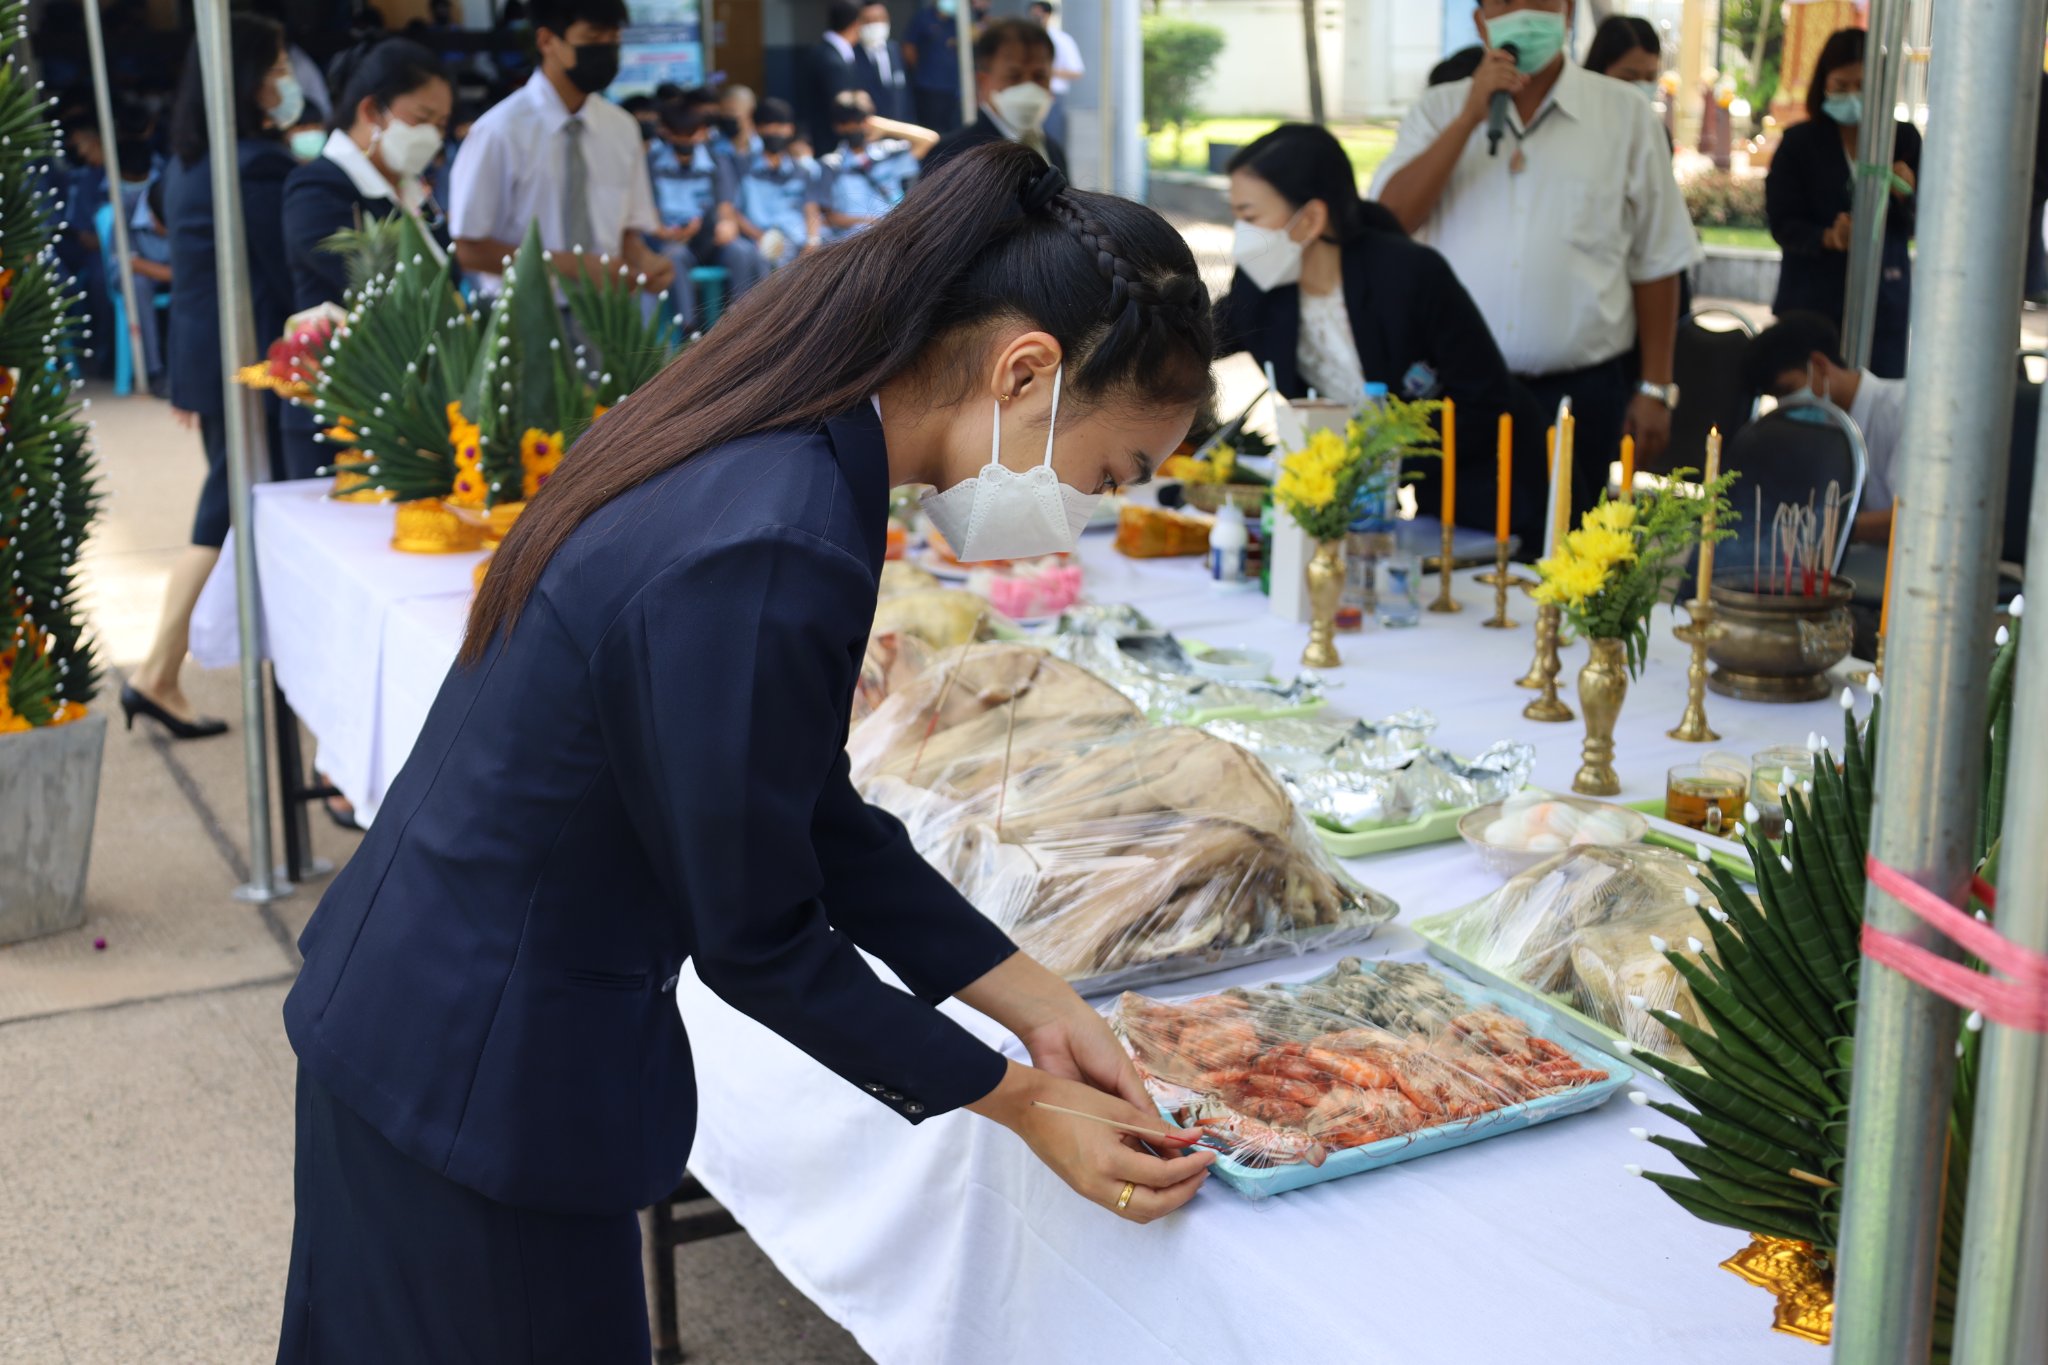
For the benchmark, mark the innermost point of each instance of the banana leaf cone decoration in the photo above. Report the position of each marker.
(1777, 995)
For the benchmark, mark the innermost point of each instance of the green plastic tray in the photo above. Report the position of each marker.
(1433, 828)
(1690, 842)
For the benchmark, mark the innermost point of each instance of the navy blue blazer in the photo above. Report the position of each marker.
(194, 351)
(649, 768)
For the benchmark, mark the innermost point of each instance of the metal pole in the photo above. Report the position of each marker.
(1105, 96)
(244, 424)
(963, 28)
(1126, 50)
(2001, 1315)
(96, 49)
(1931, 758)
(1883, 55)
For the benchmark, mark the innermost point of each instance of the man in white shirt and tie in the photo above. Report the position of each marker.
(1570, 235)
(1067, 64)
(558, 153)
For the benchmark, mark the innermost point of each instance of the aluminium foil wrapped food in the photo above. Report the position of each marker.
(1119, 645)
(1354, 775)
(1113, 851)
(1578, 927)
(1366, 1064)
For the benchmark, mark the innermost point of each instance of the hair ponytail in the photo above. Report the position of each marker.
(1109, 279)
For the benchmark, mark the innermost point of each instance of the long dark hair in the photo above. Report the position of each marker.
(380, 69)
(253, 45)
(1844, 47)
(1304, 161)
(992, 235)
(1617, 36)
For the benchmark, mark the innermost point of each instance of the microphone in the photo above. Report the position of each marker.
(1497, 110)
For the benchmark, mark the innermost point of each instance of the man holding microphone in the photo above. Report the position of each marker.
(1563, 221)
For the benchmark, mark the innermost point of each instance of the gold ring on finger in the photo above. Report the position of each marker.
(1123, 1201)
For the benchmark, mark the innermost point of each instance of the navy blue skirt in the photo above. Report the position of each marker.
(395, 1263)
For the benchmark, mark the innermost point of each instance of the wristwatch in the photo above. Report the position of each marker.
(1667, 394)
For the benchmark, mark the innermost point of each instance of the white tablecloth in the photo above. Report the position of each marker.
(949, 1243)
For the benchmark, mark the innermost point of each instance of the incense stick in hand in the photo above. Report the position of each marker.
(1153, 1135)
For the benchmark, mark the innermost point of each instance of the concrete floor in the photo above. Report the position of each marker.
(146, 1105)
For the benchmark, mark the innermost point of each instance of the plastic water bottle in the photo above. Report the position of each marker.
(1228, 540)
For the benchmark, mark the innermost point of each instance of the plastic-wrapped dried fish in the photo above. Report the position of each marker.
(1152, 669)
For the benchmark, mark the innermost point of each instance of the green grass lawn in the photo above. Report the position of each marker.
(1366, 143)
(1757, 237)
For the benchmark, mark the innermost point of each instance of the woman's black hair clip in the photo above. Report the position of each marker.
(1039, 189)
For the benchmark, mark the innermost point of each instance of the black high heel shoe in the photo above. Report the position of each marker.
(133, 703)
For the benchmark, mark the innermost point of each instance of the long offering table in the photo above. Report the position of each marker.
(949, 1243)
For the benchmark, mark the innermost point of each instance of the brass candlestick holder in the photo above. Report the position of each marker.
(1444, 601)
(1533, 679)
(1500, 578)
(1546, 668)
(1692, 726)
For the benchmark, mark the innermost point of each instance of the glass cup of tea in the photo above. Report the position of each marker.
(1705, 796)
(1771, 771)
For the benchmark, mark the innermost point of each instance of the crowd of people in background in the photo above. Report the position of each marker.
(1506, 273)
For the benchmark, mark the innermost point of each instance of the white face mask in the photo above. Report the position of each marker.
(407, 148)
(1268, 256)
(874, 35)
(1648, 88)
(291, 102)
(1001, 514)
(1023, 106)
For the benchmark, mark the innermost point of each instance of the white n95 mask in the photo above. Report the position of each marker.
(1268, 257)
(1001, 514)
(408, 148)
(1023, 105)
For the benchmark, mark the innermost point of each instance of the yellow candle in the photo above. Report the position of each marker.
(1503, 476)
(1707, 526)
(1891, 543)
(1628, 467)
(1562, 475)
(1450, 463)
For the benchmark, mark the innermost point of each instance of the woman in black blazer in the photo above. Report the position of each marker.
(1330, 293)
(387, 129)
(638, 762)
(267, 101)
(1808, 196)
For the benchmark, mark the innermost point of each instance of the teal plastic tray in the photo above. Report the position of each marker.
(1256, 1182)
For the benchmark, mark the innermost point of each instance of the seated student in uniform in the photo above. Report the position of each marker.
(778, 198)
(693, 194)
(874, 161)
(1801, 354)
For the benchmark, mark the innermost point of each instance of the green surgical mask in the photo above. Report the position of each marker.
(1538, 36)
(309, 143)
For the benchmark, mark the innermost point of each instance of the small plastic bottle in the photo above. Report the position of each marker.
(1228, 539)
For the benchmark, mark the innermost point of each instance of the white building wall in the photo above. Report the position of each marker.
(1376, 55)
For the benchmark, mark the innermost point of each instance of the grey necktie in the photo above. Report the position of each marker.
(576, 189)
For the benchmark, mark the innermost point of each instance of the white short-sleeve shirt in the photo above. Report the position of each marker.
(1879, 412)
(512, 167)
(1549, 254)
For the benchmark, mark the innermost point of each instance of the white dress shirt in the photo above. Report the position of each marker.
(1549, 254)
(1066, 56)
(1879, 412)
(513, 165)
(1326, 352)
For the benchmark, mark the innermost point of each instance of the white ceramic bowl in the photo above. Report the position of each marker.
(1509, 862)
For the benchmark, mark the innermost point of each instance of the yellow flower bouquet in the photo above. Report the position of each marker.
(1606, 575)
(1319, 484)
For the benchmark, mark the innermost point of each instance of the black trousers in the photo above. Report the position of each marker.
(394, 1263)
(1600, 396)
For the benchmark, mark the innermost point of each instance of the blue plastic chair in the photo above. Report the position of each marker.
(124, 358)
(709, 282)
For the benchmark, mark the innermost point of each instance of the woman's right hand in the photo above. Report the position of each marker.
(1094, 1159)
(1836, 238)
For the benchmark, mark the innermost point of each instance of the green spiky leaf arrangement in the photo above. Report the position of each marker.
(370, 248)
(1769, 1103)
(521, 391)
(49, 490)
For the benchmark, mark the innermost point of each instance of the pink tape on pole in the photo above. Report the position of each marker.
(2020, 1003)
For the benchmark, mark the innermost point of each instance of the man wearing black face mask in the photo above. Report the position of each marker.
(559, 154)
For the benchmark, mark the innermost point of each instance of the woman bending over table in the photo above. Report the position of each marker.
(637, 761)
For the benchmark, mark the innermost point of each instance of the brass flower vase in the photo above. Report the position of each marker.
(1325, 586)
(1603, 684)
